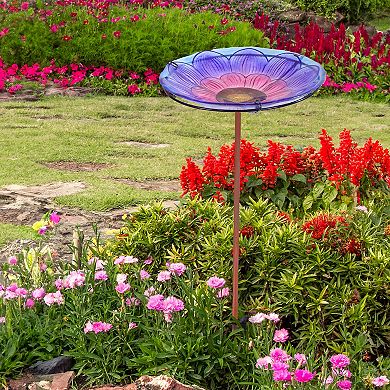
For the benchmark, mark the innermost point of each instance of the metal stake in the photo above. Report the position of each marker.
(236, 212)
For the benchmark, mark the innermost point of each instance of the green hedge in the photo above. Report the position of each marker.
(146, 43)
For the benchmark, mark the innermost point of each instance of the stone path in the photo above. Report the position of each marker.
(26, 204)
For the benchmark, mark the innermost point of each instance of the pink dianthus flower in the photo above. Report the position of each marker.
(339, 361)
(344, 385)
(121, 288)
(282, 375)
(215, 282)
(163, 276)
(38, 293)
(101, 275)
(281, 335)
(156, 302)
(303, 376)
(380, 381)
(177, 268)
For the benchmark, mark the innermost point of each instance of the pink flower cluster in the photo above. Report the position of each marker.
(167, 305)
(74, 279)
(340, 373)
(279, 362)
(70, 75)
(217, 284)
(125, 260)
(54, 298)
(260, 317)
(97, 327)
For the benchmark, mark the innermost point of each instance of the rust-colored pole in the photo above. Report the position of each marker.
(236, 212)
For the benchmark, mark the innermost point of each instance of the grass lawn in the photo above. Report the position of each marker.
(91, 129)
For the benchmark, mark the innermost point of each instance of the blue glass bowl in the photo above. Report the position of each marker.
(241, 79)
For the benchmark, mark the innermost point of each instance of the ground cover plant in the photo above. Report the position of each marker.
(155, 299)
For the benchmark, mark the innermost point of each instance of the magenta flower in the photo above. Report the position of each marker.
(282, 375)
(339, 361)
(177, 268)
(215, 282)
(59, 284)
(42, 230)
(163, 276)
(223, 292)
(279, 366)
(29, 303)
(344, 385)
(55, 218)
(303, 376)
(38, 293)
(101, 275)
(132, 325)
(264, 362)
(380, 381)
(171, 304)
(278, 354)
(97, 327)
(281, 335)
(121, 288)
(156, 302)
(144, 274)
(12, 260)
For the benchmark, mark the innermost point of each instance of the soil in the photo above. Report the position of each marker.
(153, 185)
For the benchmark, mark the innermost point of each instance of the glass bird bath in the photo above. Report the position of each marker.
(241, 79)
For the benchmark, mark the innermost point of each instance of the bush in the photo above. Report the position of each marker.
(354, 10)
(122, 316)
(117, 40)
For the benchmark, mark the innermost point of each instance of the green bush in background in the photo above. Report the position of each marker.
(151, 42)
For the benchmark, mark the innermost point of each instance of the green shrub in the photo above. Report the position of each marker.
(150, 42)
(354, 10)
(312, 281)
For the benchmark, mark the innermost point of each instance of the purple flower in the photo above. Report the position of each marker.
(42, 230)
(281, 335)
(215, 282)
(303, 376)
(339, 361)
(241, 79)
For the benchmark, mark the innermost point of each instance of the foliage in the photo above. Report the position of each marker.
(354, 10)
(114, 39)
(294, 180)
(120, 316)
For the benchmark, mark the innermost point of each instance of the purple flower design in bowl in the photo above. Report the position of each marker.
(241, 79)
